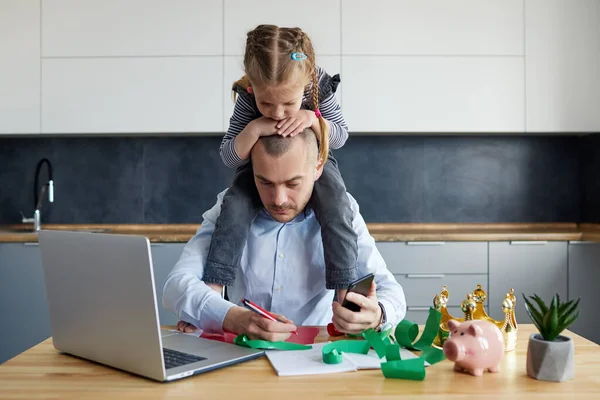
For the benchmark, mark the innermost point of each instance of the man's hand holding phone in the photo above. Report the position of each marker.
(369, 313)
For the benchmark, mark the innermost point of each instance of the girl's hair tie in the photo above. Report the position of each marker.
(318, 113)
(249, 89)
(298, 56)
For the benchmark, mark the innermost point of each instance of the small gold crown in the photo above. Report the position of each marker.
(473, 308)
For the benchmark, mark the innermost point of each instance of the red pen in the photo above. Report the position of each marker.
(261, 311)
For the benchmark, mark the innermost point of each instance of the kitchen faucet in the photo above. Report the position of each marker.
(38, 198)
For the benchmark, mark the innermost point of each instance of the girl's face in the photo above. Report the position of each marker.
(279, 102)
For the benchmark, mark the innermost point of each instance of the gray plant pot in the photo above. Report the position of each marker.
(550, 361)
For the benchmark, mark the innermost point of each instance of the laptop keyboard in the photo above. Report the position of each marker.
(174, 358)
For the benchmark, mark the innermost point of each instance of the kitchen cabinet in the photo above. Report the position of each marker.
(23, 304)
(422, 268)
(584, 275)
(468, 66)
(132, 95)
(74, 28)
(164, 258)
(562, 49)
(432, 27)
(429, 257)
(19, 66)
(24, 314)
(530, 267)
(433, 94)
(319, 19)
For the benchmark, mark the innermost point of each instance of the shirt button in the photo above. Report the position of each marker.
(277, 288)
(280, 255)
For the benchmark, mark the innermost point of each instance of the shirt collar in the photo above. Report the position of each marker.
(304, 214)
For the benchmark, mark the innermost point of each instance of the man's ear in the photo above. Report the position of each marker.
(319, 169)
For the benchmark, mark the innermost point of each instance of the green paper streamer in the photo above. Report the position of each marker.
(413, 369)
(332, 352)
(407, 331)
(405, 334)
(243, 340)
(392, 352)
(375, 341)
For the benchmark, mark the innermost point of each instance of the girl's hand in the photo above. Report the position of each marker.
(264, 126)
(296, 124)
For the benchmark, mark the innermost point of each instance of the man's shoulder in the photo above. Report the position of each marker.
(215, 210)
(353, 203)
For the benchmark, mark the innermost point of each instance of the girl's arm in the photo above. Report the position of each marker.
(239, 139)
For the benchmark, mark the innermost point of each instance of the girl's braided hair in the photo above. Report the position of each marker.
(268, 62)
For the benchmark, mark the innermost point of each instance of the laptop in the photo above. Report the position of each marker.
(103, 308)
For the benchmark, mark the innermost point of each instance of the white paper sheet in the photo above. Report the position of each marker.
(310, 362)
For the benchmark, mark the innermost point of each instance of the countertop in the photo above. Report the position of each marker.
(42, 372)
(382, 232)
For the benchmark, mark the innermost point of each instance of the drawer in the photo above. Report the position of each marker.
(419, 289)
(418, 315)
(435, 257)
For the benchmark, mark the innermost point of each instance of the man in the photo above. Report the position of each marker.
(282, 267)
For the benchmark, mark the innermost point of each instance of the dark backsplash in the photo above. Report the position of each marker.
(590, 178)
(393, 178)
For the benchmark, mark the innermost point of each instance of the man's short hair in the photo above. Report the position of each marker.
(276, 145)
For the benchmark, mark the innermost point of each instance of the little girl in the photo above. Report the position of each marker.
(283, 92)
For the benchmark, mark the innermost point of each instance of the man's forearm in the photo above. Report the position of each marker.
(194, 302)
(184, 292)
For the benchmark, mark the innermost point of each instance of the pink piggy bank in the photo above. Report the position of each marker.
(474, 346)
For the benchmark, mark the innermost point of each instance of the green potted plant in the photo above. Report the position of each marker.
(550, 354)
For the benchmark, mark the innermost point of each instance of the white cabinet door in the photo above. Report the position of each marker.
(129, 95)
(319, 19)
(19, 66)
(433, 94)
(432, 27)
(75, 28)
(562, 50)
(234, 69)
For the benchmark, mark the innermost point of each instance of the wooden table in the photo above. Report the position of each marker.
(42, 372)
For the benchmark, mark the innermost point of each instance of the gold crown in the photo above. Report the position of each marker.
(473, 308)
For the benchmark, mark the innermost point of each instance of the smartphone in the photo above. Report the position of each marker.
(360, 286)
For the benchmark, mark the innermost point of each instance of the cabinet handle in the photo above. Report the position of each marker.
(425, 243)
(155, 244)
(417, 308)
(581, 242)
(526, 242)
(425, 276)
(31, 244)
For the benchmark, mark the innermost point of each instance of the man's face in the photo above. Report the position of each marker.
(284, 183)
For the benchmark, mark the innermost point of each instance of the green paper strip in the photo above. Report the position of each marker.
(432, 355)
(407, 331)
(332, 352)
(392, 352)
(376, 342)
(413, 369)
(242, 340)
(405, 334)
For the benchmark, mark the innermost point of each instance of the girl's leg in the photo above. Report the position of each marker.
(240, 205)
(332, 209)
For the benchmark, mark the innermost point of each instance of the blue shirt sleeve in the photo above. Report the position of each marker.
(185, 293)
